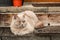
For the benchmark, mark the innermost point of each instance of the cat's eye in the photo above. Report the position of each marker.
(19, 21)
(23, 21)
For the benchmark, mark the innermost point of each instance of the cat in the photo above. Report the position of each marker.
(23, 23)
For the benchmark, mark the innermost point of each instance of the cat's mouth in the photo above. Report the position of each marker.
(22, 25)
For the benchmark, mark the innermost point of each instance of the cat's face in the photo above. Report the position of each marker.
(18, 22)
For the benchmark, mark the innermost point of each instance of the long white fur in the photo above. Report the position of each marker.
(30, 19)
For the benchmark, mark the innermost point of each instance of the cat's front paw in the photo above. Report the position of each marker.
(20, 33)
(15, 34)
(39, 25)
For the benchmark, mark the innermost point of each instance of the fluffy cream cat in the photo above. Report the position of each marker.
(23, 23)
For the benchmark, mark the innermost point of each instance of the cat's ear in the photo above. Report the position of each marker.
(15, 16)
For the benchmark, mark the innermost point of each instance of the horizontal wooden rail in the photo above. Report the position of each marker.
(46, 4)
(43, 4)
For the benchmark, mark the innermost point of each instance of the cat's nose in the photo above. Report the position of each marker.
(23, 21)
(22, 26)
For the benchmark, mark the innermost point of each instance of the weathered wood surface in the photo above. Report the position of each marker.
(49, 29)
(6, 32)
(7, 35)
(46, 4)
(23, 8)
(25, 38)
(30, 7)
(55, 38)
(57, 9)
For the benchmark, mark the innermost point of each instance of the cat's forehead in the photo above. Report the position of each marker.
(20, 14)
